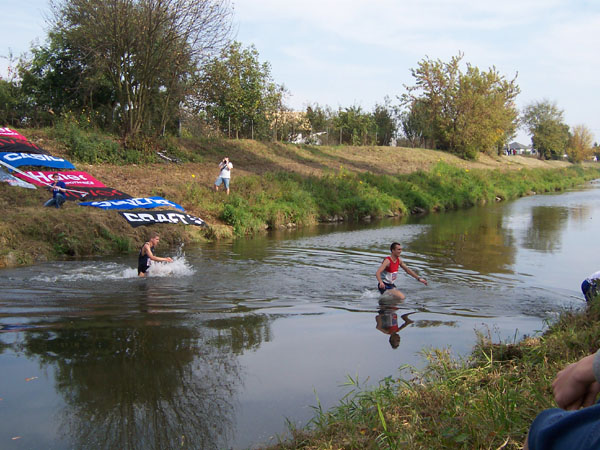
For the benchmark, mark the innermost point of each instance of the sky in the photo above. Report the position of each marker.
(344, 53)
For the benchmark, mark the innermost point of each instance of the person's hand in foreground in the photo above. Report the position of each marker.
(575, 386)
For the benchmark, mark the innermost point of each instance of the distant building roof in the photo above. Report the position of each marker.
(516, 146)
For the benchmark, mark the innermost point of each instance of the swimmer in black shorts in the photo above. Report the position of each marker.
(147, 254)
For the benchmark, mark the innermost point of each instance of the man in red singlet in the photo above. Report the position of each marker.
(388, 271)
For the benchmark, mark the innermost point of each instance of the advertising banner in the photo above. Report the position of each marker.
(133, 203)
(137, 219)
(70, 178)
(8, 133)
(11, 141)
(13, 181)
(96, 194)
(34, 159)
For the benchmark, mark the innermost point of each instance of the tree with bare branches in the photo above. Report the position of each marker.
(148, 49)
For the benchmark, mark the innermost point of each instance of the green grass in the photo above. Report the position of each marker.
(278, 199)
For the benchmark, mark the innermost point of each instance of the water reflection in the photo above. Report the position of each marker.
(147, 386)
(545, 228)
(152, 383)
(476, 240)
(239, 334)
(387, 320)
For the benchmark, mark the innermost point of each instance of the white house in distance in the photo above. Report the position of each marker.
(514, 148)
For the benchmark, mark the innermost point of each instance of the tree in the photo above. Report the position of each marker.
(58, 78)
(354, 126)
(319, 117)
(580, 144)
(12, 102)
(385, 123)
(238, 93)
(549, 134)
(550, 139)
(486, 115)
(415, 124)
(461, 112)
(541, 111)
(147, 49)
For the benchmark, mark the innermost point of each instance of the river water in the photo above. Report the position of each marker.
(221, 347)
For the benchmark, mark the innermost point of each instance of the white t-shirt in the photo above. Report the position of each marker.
(225, 169)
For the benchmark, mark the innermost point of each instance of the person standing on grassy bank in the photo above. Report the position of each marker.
(147, 254)
(388, 272)
(224, 177)
(58, 189)
(575, 387)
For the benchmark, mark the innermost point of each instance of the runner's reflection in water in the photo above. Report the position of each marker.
(387, 320)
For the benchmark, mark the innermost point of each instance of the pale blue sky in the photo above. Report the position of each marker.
(350, 52)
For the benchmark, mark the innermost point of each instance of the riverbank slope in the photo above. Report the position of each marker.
(274, 185)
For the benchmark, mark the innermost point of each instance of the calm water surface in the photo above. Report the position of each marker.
(217, 349)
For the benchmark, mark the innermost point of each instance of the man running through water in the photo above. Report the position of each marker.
(147, 254)
(388, 271)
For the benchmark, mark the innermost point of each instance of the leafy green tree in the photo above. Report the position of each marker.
(319, 117)
(148, 50)
(485, 113)
(58, 79)
(460, 112)
(385, 123)
(549, 134)
(237, 92)
(10, 103)
(13, 105)
(550, 139)
(415, 125)
(580, 144)
(538, 112)
(354, 126)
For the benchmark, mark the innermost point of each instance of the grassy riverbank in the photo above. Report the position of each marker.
(485, 401)
(274, 185)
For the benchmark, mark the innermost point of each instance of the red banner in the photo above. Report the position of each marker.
(40, 178)
(13, 142)
(95, 194)
(8, 133)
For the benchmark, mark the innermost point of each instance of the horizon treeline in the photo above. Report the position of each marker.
(144, 69)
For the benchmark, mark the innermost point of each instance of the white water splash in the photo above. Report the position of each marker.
(370, 294)
(100, 271)
(178, 268)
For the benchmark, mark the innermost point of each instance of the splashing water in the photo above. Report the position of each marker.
(178, 268)
(100, 271)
